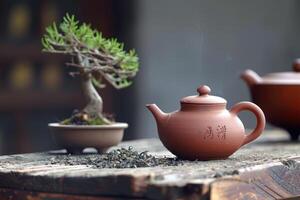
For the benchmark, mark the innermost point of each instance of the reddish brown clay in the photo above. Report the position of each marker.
(278, 95)
(203, 128)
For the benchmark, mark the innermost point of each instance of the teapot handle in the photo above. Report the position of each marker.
(260, 119)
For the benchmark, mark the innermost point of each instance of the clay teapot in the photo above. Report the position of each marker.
(203, 129)
(278, 95)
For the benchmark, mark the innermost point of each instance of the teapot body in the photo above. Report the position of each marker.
(202, 134)
(280, 105)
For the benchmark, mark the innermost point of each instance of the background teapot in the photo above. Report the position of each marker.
(278, 94)
(203, 128)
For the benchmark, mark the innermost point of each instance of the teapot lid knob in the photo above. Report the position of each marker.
(203, 90)
(296, 65)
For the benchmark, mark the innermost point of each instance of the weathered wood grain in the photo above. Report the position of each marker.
(268, 169)
(10, 194)
(277, 181)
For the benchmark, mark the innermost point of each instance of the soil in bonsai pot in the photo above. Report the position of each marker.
(83, 118)
(119, 158)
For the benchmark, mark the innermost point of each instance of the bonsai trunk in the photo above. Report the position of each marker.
(94, 105)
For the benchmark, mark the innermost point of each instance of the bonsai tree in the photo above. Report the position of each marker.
(96, 61)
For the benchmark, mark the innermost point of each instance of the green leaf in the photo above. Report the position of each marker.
(64, 37)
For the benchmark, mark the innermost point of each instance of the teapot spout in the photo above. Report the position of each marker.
(157, 113)
(250, 77)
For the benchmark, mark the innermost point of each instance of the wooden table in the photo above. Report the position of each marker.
(267, 169)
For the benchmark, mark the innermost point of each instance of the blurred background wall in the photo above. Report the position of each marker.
(181, 44)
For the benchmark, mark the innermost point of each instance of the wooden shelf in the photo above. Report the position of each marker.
(260, 170)
(21, 101)
(28, 51)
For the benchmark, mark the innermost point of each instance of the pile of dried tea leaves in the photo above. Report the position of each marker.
(119, 158)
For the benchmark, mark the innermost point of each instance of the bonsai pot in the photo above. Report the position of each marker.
(75, 138)
(278, 95)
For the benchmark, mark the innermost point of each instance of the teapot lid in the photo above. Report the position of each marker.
(285, 77)
(203, 97)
